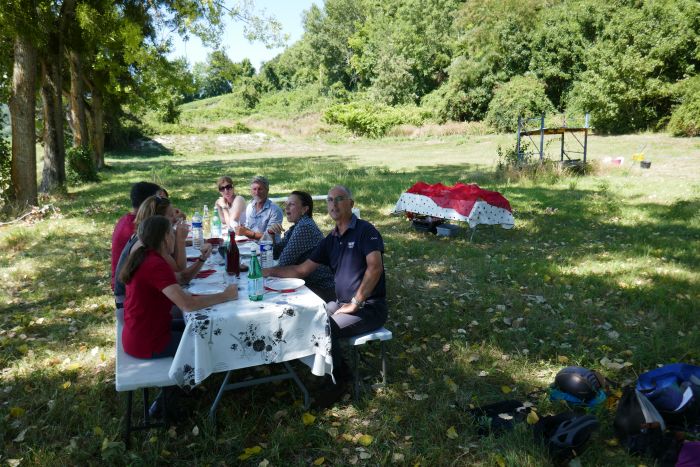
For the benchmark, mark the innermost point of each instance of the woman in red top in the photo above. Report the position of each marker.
(151, 291)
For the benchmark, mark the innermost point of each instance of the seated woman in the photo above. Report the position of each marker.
(151, 206)
(231, 207)
(151, 291)
(300, 240)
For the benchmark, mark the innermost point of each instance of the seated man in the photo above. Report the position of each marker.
(261, 213)
(353, 251)
(124, 228)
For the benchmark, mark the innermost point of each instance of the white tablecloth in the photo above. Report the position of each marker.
(481, 213)
(242, 333)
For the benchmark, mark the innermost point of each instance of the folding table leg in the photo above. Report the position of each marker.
(298, 382)
(383, 364)
(222, 389)
(127, 430)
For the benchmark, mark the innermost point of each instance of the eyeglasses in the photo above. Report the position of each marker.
(226, 187)
(161, 199)
(336, 199)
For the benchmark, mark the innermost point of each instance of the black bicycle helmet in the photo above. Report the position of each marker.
(565, 434)
(579, 382)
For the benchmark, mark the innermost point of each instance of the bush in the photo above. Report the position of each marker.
(685, 118)
(5, 170)
(370, 119)
(522, 96)
(81, 167)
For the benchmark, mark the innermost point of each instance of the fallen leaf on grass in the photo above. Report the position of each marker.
(332, 431)
(319, 461)
(505, 416)
(66, 385)
(365, 440)
(14, 462)
(563, 359)
(307, 418)
(612, 442)
(195, 431)
(249, 452)
(532, 418)
(506, 389)
(264, 463)
(20, 437)
(397, 458)
(16, 412)
(452, 433)
(365, 455)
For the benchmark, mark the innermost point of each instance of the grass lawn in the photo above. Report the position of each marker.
(603, 267)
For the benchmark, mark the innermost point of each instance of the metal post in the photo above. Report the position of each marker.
(542, 138)
(585, 138)
(517, 148)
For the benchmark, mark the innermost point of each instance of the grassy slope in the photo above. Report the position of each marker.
(614, 256)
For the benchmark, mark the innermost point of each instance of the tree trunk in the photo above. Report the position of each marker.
(22, 116)
(54, 173)
(97, 132)
(77, 101)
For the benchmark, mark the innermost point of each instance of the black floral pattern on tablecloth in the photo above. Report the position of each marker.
(188, 381)
(202, 326)
(251, 340)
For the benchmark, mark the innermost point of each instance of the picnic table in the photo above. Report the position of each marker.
(243, 333)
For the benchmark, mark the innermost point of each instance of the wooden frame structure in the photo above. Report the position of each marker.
(562, 130)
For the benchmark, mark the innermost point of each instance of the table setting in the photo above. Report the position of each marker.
(289, 323)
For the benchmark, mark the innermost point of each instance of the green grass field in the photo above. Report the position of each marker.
(602, 267)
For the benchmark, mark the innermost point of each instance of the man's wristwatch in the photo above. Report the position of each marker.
(355, 301)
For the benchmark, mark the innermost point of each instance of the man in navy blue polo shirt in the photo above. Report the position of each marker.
(353, 250)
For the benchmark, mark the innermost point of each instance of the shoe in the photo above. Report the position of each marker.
(155, 411)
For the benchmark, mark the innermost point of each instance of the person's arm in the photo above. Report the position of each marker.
(294, 270)
(369, 281)
(223, 211)
(184, 277)
(187, 302)
(237, 208)
(180, 254)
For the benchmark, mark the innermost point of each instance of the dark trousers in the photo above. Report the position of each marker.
(368, 318)
(176, 328)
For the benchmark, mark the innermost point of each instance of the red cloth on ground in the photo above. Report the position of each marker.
(459, 197)
(123, 231)
(147, 309)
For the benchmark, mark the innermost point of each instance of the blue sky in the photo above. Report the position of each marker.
(288, 12)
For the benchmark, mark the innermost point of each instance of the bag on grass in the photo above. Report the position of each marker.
(641, 429)
(674, 390)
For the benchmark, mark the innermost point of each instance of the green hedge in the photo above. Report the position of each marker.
(371, 119)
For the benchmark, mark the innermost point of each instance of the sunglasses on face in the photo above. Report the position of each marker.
(226, 187)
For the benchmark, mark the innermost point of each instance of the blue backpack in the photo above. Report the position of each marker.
(674, 389)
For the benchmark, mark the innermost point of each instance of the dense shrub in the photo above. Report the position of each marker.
(522, 96)
(5, 170)
(370, 119)
(247, 93)
(81, 167)
(685, 119)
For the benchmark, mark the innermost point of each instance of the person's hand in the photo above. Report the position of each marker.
(275, 229)
(206, 250)
(181, 230)
(220, 203)
(231, 292)
(347, 308)
(179, 215)
(242, 230)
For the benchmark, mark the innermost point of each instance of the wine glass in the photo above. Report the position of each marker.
(222, 252)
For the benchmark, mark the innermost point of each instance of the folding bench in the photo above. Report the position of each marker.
(382, 335)
(135, 373)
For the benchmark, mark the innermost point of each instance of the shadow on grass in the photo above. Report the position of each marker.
(577, 267)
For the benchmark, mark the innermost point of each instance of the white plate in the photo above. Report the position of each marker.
(206, 289)
(241, 239)
(279, 284)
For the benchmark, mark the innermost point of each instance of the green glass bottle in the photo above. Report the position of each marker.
(255, 279)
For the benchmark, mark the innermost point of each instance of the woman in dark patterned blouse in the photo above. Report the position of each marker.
(300, 240)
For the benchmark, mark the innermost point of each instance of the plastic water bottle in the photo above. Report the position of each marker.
(215, 226)
(206, 226)
(266, 258)
(197, 232)
(255, 279)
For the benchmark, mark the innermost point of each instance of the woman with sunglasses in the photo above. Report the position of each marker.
(231, 207)
(152, 290)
